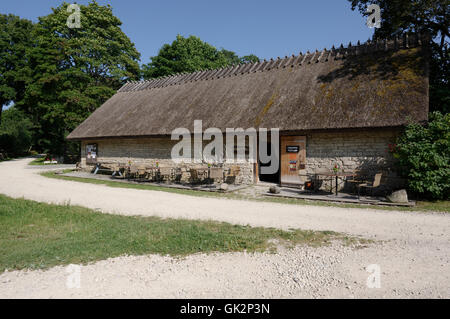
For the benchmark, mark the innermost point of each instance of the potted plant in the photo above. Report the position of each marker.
(336, 168)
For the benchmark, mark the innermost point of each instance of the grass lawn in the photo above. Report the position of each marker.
(37, 235)
(436, 206)
(39, 161)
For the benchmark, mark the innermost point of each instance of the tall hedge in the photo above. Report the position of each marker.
(423, 154)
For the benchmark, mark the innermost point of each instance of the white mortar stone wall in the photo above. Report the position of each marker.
(149, 151)
(366, 151)
(351, 150)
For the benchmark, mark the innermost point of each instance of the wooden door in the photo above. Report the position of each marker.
(293, 160)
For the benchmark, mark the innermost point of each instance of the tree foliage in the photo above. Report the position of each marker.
(251, 58)
(15, 133)
(425, 16)
(233, 58)
(74, 71)
(189, 55)
(15, 38)
(423, 154)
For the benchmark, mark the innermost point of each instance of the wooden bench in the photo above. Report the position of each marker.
(101, 167)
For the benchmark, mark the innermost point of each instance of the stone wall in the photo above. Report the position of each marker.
(149, 151)
(366, 151)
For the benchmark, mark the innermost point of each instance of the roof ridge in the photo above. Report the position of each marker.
(402, 41)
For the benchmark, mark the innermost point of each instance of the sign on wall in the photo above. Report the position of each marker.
(91, 154)
(292, 149)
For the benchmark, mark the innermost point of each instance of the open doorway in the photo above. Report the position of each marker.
(268, 178)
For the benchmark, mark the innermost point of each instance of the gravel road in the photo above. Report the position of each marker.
(412, 249)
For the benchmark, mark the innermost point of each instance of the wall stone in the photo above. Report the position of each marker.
(149, 151)
(364, 151)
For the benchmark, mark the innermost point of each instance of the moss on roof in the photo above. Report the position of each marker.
(383, 87)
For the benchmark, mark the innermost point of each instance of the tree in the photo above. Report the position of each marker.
(74, 71)
(15, 38)
(15, 133)
(423, 154)
(423, 16)
(249, 59)
(189, 55)
(233, 58)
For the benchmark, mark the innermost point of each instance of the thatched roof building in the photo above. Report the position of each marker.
(376, 84)
(344, 105)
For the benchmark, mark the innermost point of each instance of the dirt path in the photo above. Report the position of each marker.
(18, 180)
(414, 259)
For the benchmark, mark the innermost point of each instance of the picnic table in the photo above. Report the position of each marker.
(337, 176)
(105, 167)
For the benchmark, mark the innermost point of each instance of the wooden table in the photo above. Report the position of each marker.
(337, 176)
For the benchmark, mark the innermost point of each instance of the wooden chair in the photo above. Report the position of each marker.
(232, 174)
(151, 173)
(198, 174)
(177, 174)
(375, 184)
(358, 178)
(202, 173)
(216, 173)
(165, 173)
(317, 178)
(133, 172)
(141, 172)
(193, 176)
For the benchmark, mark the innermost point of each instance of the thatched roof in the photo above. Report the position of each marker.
(376, 84)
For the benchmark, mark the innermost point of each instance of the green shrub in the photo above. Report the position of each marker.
(15, 133)
(423, 154)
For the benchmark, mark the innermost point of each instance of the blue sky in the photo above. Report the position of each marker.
(266, 28)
